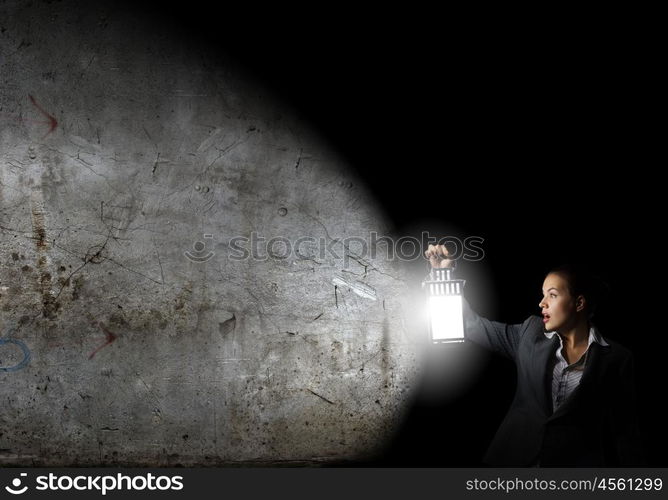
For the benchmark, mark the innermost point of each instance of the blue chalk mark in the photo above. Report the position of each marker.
(26, 355)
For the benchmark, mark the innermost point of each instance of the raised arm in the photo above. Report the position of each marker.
(497, 337)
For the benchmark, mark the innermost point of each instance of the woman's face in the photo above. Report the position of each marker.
(558, 306)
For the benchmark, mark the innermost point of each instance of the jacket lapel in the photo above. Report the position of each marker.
(544, 353)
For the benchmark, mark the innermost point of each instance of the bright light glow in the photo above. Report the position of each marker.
(447, 321)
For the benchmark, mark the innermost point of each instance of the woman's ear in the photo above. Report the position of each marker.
(580, 303)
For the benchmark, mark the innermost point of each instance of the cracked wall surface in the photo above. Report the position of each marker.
(132, 164)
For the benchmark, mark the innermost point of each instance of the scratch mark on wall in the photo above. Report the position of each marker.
(111, 336)
(162, 274)
(53, 123)
(157, 162)
(321, 397)
(134, 271)
(157, 403)
(155, 165)
(299, 160)
(96, 258)
(361, 289)
(148, 135)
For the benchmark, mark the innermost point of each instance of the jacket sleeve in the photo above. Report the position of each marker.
(624, 425)
(497, 337)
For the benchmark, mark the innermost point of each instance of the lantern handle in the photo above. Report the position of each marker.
(449, 276)
(451, 269)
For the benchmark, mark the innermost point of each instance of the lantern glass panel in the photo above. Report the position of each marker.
(447, 321)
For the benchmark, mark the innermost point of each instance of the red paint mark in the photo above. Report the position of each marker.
(53, 123)
(111, 336)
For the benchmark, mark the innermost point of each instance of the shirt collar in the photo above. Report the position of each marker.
(594, 336)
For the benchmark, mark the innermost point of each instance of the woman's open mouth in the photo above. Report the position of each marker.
(546, 318)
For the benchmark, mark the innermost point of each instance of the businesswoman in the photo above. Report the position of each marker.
(575, 400)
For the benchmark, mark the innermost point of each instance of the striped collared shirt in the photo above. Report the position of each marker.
(565, 377)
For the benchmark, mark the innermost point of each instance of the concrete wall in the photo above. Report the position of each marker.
(122, 148)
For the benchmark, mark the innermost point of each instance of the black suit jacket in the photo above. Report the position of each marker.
(596, 426)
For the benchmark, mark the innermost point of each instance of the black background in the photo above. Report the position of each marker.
(535, 132)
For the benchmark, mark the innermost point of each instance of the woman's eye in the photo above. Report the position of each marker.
(553, 296)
